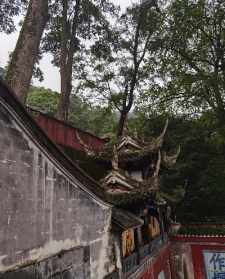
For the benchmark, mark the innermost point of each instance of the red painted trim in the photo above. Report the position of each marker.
(191, 238)
(65, 135)
(161, 262)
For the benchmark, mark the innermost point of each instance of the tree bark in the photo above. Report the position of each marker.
(23, 59)
(68, 46)
(122, 122)
(128, 98)
(66, 88)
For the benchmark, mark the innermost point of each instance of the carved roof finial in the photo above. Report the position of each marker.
(160, 139)
(115, 160)
(87, 149)
(169, 161)
(158, 164)
(164, 129)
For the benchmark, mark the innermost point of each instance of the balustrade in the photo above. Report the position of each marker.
(129, 263)
(156, 244)
(144, 251)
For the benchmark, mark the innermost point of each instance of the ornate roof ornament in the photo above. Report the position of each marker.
(171, 160)
(128, 144)
(115, 160)
(161, 137)
(157, 143)
(116, 183)
(86, 147)
(158, 164)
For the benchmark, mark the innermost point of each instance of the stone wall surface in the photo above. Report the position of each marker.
(44, 211)
(72, 264)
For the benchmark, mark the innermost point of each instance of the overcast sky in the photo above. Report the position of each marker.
(51, 74)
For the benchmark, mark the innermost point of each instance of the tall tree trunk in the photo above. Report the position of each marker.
(66, 69)
(122, 123)
(66, 59)
(66, 88)
(21, 66)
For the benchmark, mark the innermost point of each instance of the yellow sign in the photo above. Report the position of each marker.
(128, 242)
(154, 228)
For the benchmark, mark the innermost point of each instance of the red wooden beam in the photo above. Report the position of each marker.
(64, 134)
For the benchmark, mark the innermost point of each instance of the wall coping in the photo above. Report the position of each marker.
(198, 238)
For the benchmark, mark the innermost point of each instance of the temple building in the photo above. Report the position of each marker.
(58, 222)
(132, 185)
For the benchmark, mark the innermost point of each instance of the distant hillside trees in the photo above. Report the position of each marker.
(98, 120)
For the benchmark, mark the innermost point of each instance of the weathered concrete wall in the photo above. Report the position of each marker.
(43, 209)
(70, 264)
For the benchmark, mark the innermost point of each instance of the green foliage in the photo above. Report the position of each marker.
(98, 120)
(200, 167)
(44, 100)
(123, 63)
(8, 10)
(192, 64)
(86, 22)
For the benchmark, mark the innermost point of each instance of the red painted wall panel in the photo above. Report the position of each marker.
(65, 135)
(159, 264)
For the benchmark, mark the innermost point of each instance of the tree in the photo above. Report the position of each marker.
(8, 10)
(193, 64)
(200, 166)
(44, 100)
(2, 72)
(21, 66)
(73, 24)
(97, 120)
(124, 64)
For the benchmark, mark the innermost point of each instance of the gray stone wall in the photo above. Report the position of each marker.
(66, 265)
(43, 209)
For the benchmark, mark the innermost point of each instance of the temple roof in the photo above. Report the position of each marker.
(169, 161)
(118, 181)
(125, 220)
(137, 194)
(129, 148)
